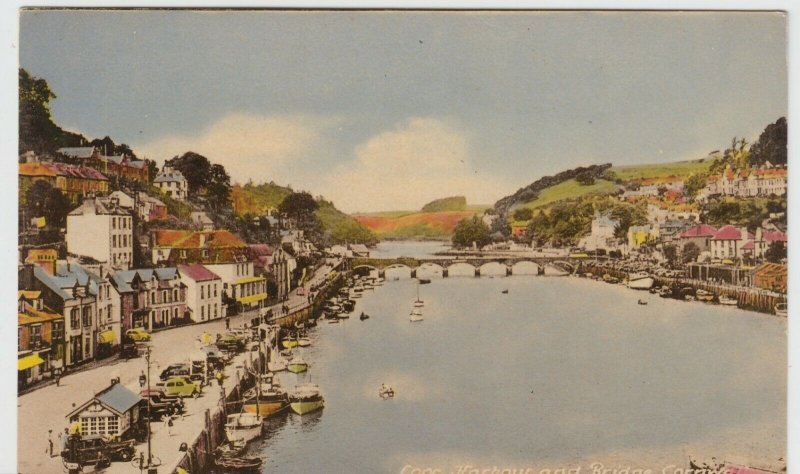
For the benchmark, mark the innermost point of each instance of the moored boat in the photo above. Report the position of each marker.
(416, 315)
(243, 427)
(276, 362)
(267, 399)
(306, 398)
(703, 295)
(782, 309)
(727, 300)
(297, 365)
(640, 281)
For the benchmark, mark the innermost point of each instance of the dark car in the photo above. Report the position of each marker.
(94, 449)
(160, 404)
(175, 369)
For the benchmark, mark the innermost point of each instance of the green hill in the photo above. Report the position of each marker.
(680, 169)
(342, 227)
(453, 203)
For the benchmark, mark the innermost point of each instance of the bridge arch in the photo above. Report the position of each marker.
(366, 270)
(428, 270)
(493, 269)
(461, 269)
(525, 268)
(397, 272)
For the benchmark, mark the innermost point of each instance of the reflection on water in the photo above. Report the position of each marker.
(408, 249)
(555, 370)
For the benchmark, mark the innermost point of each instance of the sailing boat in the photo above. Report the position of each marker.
(416, 315)
(267, 397)
(418, 303)
(243, 427)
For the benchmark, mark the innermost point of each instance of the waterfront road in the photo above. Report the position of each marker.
(46, 408)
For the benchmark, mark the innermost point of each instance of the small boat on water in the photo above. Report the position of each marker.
(640, 281)
(642, 302)
(424, 281)
(703, 295)
(363, 316)
(727, 300)
(289, 343)
(333, 321)
(238, 463)
(303, 341)
(505, 292)
(243, 427)
(297, 365)
(782, 309)
(306, 398)
(418, 303)
(267, 399)
(416, 315)
(665, 292)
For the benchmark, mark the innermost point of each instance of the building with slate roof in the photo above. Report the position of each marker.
(112, 412)
(150, 298)
(172, 183)
(71, 293)
(74, 181)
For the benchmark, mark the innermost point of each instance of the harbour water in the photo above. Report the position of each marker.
(394, 249)
(557, 372)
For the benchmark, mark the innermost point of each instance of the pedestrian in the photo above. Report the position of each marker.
(50, 442)
(227, 322)
(58, 376)
(64, 437)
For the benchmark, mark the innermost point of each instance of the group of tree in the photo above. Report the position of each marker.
(743, 212)
(771, 146)
(471, 231)
(565, 222)
(206, 181)
(37, 131)
(44, 200)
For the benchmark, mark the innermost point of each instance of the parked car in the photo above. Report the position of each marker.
(174, 370)
(230, 342)
(181, 385)
(138, 334)
(96, 450)
(160, 404)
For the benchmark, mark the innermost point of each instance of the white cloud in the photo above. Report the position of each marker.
(257, 147)
(418, 161)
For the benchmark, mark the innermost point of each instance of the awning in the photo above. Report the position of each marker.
(252, 298)
(29, 361)
(106, 337)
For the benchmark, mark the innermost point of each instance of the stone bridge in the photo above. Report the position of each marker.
(447, 266)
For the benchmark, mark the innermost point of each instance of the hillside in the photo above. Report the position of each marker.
(679, 169)
(342, 227)
(453, 203)
(257, 199)
(567, 190)
(414, 226)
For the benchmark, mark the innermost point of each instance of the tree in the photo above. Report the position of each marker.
(218, 189)
(690, 252)
(585, 179)
(37, 131)
(469, 231)
(771, 144)
(195, 168)
(299, 206)
(523, 214)
(152, 169)
(776, 252)
(671, 253)
(694, 184)
(43, 200)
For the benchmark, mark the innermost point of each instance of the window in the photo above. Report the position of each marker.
(58, 330)
(215, 310)
(87, 316)
(215, 290)
(175, 294)
(113, 222)
(74, 319)
(19, 339)
(202, 313)
(202, 292)
(112, 425)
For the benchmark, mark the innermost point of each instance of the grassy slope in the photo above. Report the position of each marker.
(250, 199)
(568, 190)
(342, 227)
(681, 169)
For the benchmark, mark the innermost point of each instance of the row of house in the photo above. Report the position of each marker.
(120, 166)
(74, 181)
(730, 242)
(765, 180)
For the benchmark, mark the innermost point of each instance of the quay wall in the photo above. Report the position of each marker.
(199, 457)
(751, 298)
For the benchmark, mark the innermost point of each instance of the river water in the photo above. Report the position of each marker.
(557, 372)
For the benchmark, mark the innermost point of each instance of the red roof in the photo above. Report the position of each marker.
(197, 272)
(187, 239)
(776, 236)
(748, 246)
(700, 230)
(730, 232)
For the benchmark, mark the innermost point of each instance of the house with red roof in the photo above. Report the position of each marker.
(203, 292)
(729, 242)
(766, 180)
(700, 235)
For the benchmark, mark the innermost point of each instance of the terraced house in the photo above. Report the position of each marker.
(222, 253)
(72, 294)
(150, 298)
(75, 182)
(102, 230)
(40, 338)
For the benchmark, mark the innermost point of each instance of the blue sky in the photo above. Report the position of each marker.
(388, 110)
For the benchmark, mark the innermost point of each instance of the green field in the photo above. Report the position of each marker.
(681, 169)
(567, 190)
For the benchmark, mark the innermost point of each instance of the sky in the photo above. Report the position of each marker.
(389, 110)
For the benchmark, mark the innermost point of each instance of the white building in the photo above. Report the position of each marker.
(99, 228)
(203, 292)
(172, 183)
(602, 235)
(729, 242)
(201, 220)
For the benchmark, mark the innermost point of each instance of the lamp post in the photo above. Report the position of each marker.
(151, 468)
